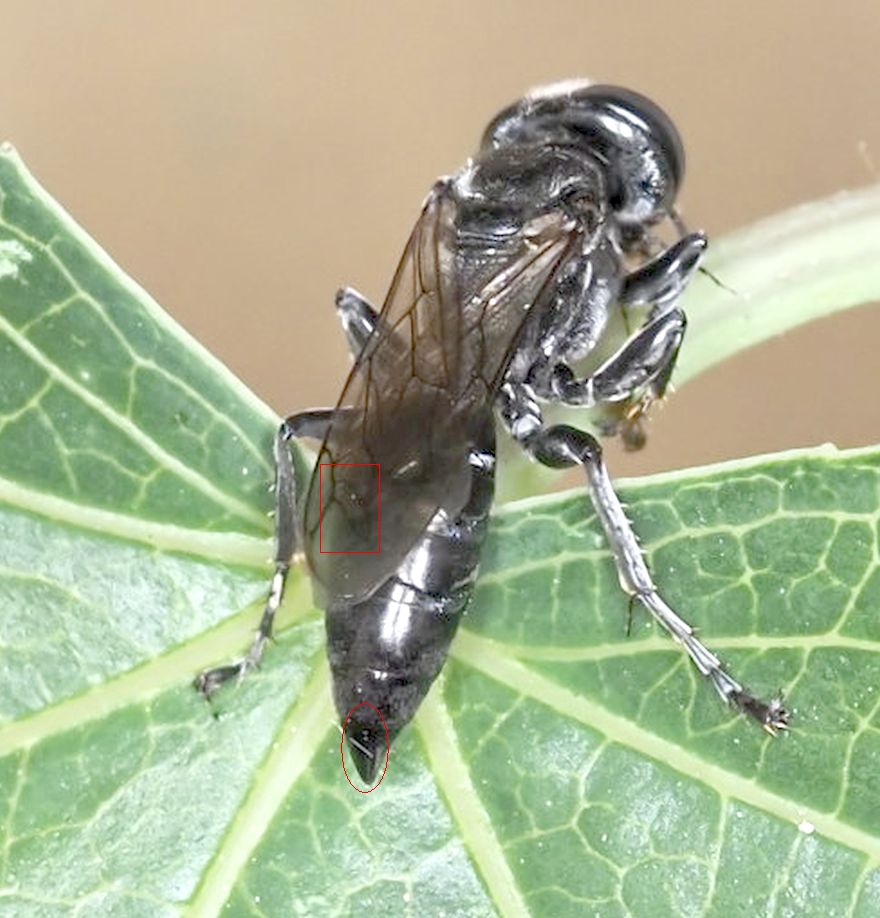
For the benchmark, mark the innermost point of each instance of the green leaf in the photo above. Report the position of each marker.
(558, 767)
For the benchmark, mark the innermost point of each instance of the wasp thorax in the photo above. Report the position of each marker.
(527, 187)
(632, 140)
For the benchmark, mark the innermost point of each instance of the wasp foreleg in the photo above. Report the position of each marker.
(639, 372)
(661, 281)
(562, 446)
(311, 424)
(645, 358)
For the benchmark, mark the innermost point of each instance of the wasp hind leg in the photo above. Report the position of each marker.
(310, 424)
(561, 446)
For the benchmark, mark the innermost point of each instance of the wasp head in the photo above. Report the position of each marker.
(630, 137)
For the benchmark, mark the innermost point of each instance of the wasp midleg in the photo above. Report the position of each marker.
(358, 318)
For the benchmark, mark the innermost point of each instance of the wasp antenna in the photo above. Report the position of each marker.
(718, 283)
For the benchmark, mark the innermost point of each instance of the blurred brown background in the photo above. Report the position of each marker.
(243, 160)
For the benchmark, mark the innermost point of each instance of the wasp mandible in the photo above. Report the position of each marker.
(510, 276)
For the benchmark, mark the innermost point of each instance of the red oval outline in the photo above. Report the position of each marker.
(387, 746)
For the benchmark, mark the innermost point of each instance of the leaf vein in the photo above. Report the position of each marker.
(454, 780)
(727, 784)
(134, 433)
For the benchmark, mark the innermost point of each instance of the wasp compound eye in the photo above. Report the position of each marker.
(630, 115)
(642, 149)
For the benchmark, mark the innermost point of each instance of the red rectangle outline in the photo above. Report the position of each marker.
(375, 465)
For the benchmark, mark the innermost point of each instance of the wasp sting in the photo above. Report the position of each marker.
(512, 272)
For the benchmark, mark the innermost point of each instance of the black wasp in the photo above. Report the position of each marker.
(510, 275)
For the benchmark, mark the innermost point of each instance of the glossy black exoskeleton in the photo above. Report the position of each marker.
(511, 274)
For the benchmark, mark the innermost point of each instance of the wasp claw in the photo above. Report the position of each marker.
(207, 682)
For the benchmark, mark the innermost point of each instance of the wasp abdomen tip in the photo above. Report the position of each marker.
(367, 748)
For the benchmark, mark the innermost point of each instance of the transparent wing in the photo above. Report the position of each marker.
(396, 450)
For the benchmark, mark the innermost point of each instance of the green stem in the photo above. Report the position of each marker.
(789, 269)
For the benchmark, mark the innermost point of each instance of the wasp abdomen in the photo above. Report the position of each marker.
(389, 648)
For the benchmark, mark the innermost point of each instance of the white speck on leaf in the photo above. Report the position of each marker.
(806, 827)
(12, 254)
